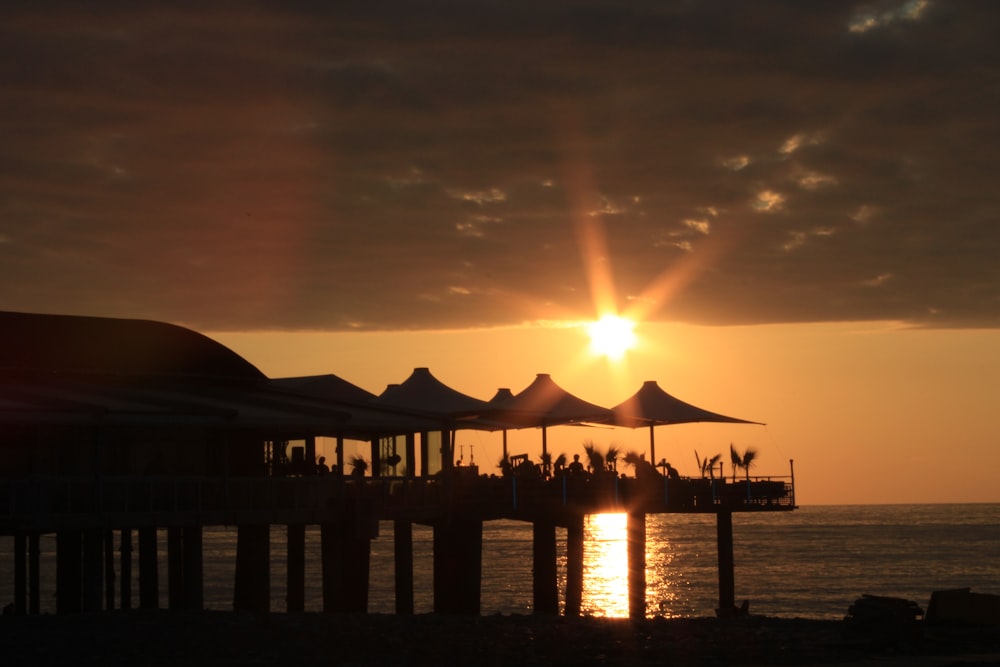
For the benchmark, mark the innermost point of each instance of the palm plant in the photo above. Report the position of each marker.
(712, 463)
(595, 458)
(546, 461)
(644, 470)
(707, 465)
(612, 457)
(358, 466)
(735, 459)
(505, 466)
(742, 461)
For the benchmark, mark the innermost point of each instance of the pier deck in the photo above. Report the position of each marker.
(57, 503)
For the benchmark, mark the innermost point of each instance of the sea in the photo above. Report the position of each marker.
(813, 562)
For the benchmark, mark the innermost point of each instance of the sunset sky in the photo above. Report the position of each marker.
(796, 201)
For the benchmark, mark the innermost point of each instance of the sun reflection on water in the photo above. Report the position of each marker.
(605, 565)
(605, 571)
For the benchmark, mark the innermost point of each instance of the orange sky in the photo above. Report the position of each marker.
(869, 412)
(361, 168)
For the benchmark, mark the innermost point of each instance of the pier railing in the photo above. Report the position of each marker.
(50, 503)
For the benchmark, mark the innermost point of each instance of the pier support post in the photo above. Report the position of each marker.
(194, 581)
(636, 530)
(346, 556)
(27, 597)
(252, 591)
(403, 551)
(727, 578)
(109, 569)
(125, 559)
(574, 566)
(458, 557)
(20, 574)
(545, 588)
(175, 568)
(69, 570)
(149, 574)
(410, 455)
(34, 577)
(93, 568)
(295, 568)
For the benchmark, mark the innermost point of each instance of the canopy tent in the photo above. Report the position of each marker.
(422, 394)
(500, 400)
(651, 406)
(329, 386)
(543, 403)
(366, 419)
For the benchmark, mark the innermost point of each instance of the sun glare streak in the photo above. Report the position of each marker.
(672, 281)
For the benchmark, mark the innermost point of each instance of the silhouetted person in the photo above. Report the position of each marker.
(576, 468)
(672, 472)
(321, 467)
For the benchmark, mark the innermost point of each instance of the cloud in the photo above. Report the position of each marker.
(879, 15)
(347, 167)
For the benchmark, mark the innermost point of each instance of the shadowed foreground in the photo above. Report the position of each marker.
(219, 638)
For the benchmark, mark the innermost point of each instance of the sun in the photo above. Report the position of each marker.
(612, 336)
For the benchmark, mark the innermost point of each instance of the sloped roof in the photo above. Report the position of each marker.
(543, 402)
(329, 387)
(650, 405)
(365, 417)
(39, 343)
(502, 398)
(422, 392)
(64, 369)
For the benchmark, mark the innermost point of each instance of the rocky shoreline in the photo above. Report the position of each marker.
(192, 639)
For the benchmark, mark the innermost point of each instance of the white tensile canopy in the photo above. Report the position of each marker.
(543, 403)
(651, 406)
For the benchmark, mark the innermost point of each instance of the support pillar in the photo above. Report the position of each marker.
(295, 582)
(93, 568)
(175, 568)
(34, 590)
(109, 569)
(340, 454)
(403, 548)
(346, 556)
(149, 575)
(20, 574)
(727, 578)
(310, 455)
(574, 566)
(69, 570)
(410, 455)
(545, 588)
(424, 454)
(194, 580)
(376, 467)
(125, 559)
(252, 590)
(458, 559)
(636, 565)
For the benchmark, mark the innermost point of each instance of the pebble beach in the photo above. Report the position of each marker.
(193, 639)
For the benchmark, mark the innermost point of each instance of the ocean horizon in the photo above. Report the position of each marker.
(809, 563)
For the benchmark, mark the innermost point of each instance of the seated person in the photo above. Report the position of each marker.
(576, 468)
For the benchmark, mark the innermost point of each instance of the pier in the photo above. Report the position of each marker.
(86, 519)
(115, 431)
